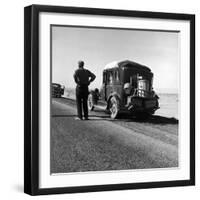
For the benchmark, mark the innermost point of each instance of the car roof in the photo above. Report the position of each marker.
(131, 64)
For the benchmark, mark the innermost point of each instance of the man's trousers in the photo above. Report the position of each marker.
(81, 101)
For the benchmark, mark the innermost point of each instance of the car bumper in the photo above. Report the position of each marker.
(138, 104)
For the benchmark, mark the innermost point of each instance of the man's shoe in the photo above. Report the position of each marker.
(86, 118)
(78, 118)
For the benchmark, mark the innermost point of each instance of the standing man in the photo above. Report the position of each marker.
(83, 78)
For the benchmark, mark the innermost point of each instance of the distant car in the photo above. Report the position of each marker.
(57, 90)
(127, 87)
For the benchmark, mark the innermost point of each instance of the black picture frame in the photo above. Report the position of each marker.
(31, 98)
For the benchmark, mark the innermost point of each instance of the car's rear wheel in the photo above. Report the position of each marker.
(90, 102)
(114, 107)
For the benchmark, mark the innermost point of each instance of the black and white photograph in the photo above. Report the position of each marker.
(109, 98)
(114, 99)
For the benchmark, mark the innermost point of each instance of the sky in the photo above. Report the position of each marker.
(99, 46)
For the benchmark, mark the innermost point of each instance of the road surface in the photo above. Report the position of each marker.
(104, 144)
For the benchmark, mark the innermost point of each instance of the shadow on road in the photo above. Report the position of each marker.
(91, 117)
(63, 115)
(101, 114)
(154, 119)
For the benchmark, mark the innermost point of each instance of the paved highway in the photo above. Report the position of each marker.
(104, 144)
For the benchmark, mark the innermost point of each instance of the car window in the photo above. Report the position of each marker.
(110, 77)
(116, 75)
(104, 77)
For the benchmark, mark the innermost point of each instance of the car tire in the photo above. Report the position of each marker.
(90, 102)
(114, 107)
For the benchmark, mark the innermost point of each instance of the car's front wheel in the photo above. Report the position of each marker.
(114, 107)
(90, 102)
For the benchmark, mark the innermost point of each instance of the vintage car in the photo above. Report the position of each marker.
(127, 88)
(57, 90)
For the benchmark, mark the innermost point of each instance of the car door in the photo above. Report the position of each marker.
(109, 84)
(103, 87)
